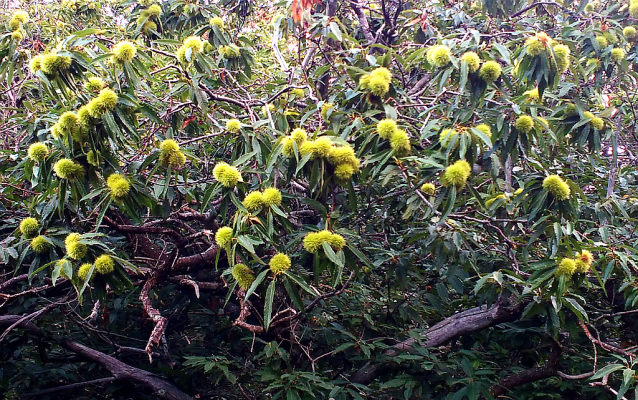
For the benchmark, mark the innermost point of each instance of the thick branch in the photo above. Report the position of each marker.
(245, 313)
(139, 241)
(463, 323)
(523, 377)
(144, 229)
(154, 314)
(529, 375)
(34, 315)
(469, 321)
(187, 281)
(11, 320)
(165, 263)
(117, 368)
(420, 86)
(608, 347)
(7, 284)
(123, 371)
(191, 261)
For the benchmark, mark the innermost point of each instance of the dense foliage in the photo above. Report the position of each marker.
(318, 199)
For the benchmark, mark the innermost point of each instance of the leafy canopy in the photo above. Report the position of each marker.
(327, 199)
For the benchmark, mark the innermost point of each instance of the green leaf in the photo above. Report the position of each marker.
(334, 28)
(245, 243)
(302, 283)
(293, 293)
(450, 202)
(577, 309)
(316, 205)
(607, 370)
(359, 255)
(464, 74)
(331, 254)
(270, 297)
(63, 265)
(260, 278)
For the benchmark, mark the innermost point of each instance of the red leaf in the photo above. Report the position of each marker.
(301, 6)
(187, 121)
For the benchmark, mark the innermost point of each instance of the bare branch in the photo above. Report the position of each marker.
(604, 345)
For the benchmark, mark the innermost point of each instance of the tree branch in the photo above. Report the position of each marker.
(534, 5)
(363, 22)
(143, 229)
(100, 381)
(470, 321)
(529, 375)
(191, 261)
(117, 368)
(10, 282)
(122, 371)
(608, 347)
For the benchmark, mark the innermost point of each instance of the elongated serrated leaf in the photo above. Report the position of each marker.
(606, 370)
(270, 297)
(245, 243)
(260, 278)
(299, 281)
(293, 293)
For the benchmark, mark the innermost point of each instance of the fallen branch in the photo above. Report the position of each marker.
(187, 281)
(154, 314)
(18, 321)
(469, 321)
(28, 318)
(7, 284)
(142, 229)
(245, 313)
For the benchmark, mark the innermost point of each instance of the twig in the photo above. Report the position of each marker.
(604, 345)
(100, 381)
(540, 3)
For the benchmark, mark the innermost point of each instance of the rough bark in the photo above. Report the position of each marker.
(7, 284)
(167, 262)
(117, 368)
(122, 371)
(190, 261)
(463, 323)
(164, 265)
